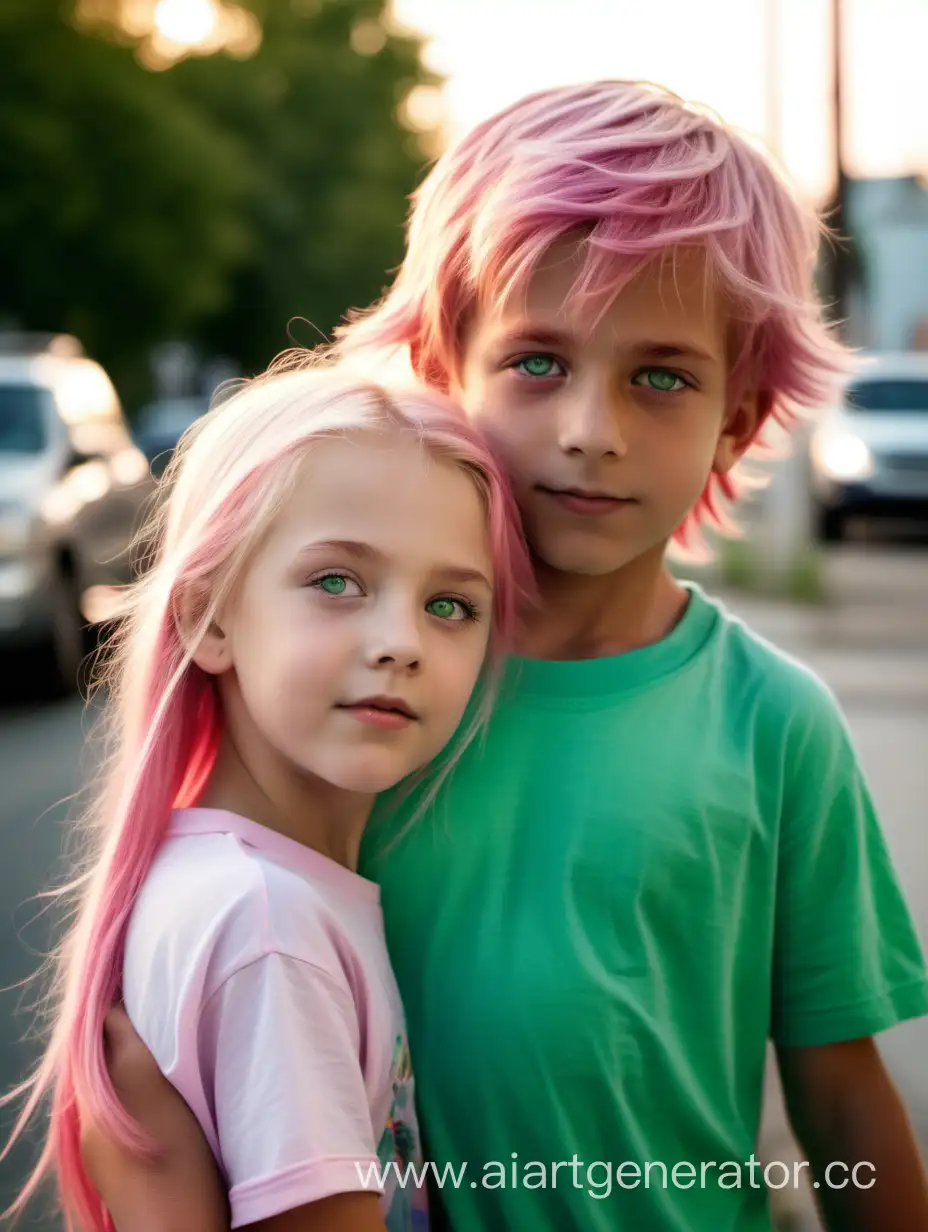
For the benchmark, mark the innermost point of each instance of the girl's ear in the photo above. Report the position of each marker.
(210, 648)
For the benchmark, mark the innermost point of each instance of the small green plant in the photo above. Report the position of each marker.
(807, 577)
(743, 568)
(739, 564)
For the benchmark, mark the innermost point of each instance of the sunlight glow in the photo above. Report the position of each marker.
(764, 65)
(186, 22)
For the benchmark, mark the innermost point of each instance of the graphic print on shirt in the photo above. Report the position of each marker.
(405, 1205)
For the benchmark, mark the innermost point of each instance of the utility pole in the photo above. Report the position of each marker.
(839, 256)
(772, 75)
(784, 529)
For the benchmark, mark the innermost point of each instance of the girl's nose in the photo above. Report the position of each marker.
(396, 643)
(403, 657)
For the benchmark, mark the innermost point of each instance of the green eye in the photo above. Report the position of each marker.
(447, 609)
(334, 584)
(661, 380)
(338, 586)
(443, 608)
(538, 365)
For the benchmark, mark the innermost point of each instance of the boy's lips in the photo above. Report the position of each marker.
(587, 502)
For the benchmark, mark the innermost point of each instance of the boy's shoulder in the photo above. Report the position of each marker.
(778, 709)
(779, 683)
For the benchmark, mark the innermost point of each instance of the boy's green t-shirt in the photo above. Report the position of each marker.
(647, 866)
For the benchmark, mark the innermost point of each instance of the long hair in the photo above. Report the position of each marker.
(231, 474)
(634, 172)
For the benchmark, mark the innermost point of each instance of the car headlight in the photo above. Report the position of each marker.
(842, 456)
(15, 529)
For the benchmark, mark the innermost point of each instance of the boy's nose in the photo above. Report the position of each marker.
(592, 428)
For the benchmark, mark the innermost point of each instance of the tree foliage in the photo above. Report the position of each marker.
(215, 200)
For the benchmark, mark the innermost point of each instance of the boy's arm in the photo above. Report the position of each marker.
(848, 964)
(852, 1125)
(180, 1191)
(348, 1212)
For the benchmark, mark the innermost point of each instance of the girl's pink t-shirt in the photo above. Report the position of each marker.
(257, 973)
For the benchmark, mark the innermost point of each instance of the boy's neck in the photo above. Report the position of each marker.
(581, 617)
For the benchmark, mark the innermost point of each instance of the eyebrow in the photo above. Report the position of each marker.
(366, 551)
(561, 339)
(673, 350)
(527, 332)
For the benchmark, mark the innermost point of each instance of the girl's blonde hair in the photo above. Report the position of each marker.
(230, 476)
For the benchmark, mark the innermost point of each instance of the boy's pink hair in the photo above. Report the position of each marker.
(637, 173)
(223, 488)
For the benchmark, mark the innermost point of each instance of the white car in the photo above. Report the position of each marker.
(869, 455)
(72, 488)
(160, 425)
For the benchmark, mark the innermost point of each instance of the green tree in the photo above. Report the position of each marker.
(122, 207)
(216, 200)
(334, 167)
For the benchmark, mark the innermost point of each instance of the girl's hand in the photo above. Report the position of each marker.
(182, 1189)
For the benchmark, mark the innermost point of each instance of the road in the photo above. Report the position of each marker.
(872, 647)
(41, 767)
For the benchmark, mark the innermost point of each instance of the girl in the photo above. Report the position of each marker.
(333, 565)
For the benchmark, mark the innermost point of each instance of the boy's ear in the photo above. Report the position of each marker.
(741, 428)
(211, 650)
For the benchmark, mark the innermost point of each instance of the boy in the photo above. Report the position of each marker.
(663, 853)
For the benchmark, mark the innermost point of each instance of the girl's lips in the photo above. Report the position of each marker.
(387, 713)
(386, 720)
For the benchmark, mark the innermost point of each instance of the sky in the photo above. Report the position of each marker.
(764, 65)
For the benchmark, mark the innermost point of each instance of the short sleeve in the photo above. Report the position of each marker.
(280, 1045)
(847, 960)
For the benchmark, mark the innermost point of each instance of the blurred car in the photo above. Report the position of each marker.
(160, 425)
(869, 456)
(72, 488)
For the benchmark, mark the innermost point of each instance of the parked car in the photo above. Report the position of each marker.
(72, 489)
(161, 424)
(870, 454)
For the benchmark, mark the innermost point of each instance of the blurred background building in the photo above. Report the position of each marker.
(889, 217)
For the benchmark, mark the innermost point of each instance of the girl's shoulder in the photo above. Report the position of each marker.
(213, 905)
